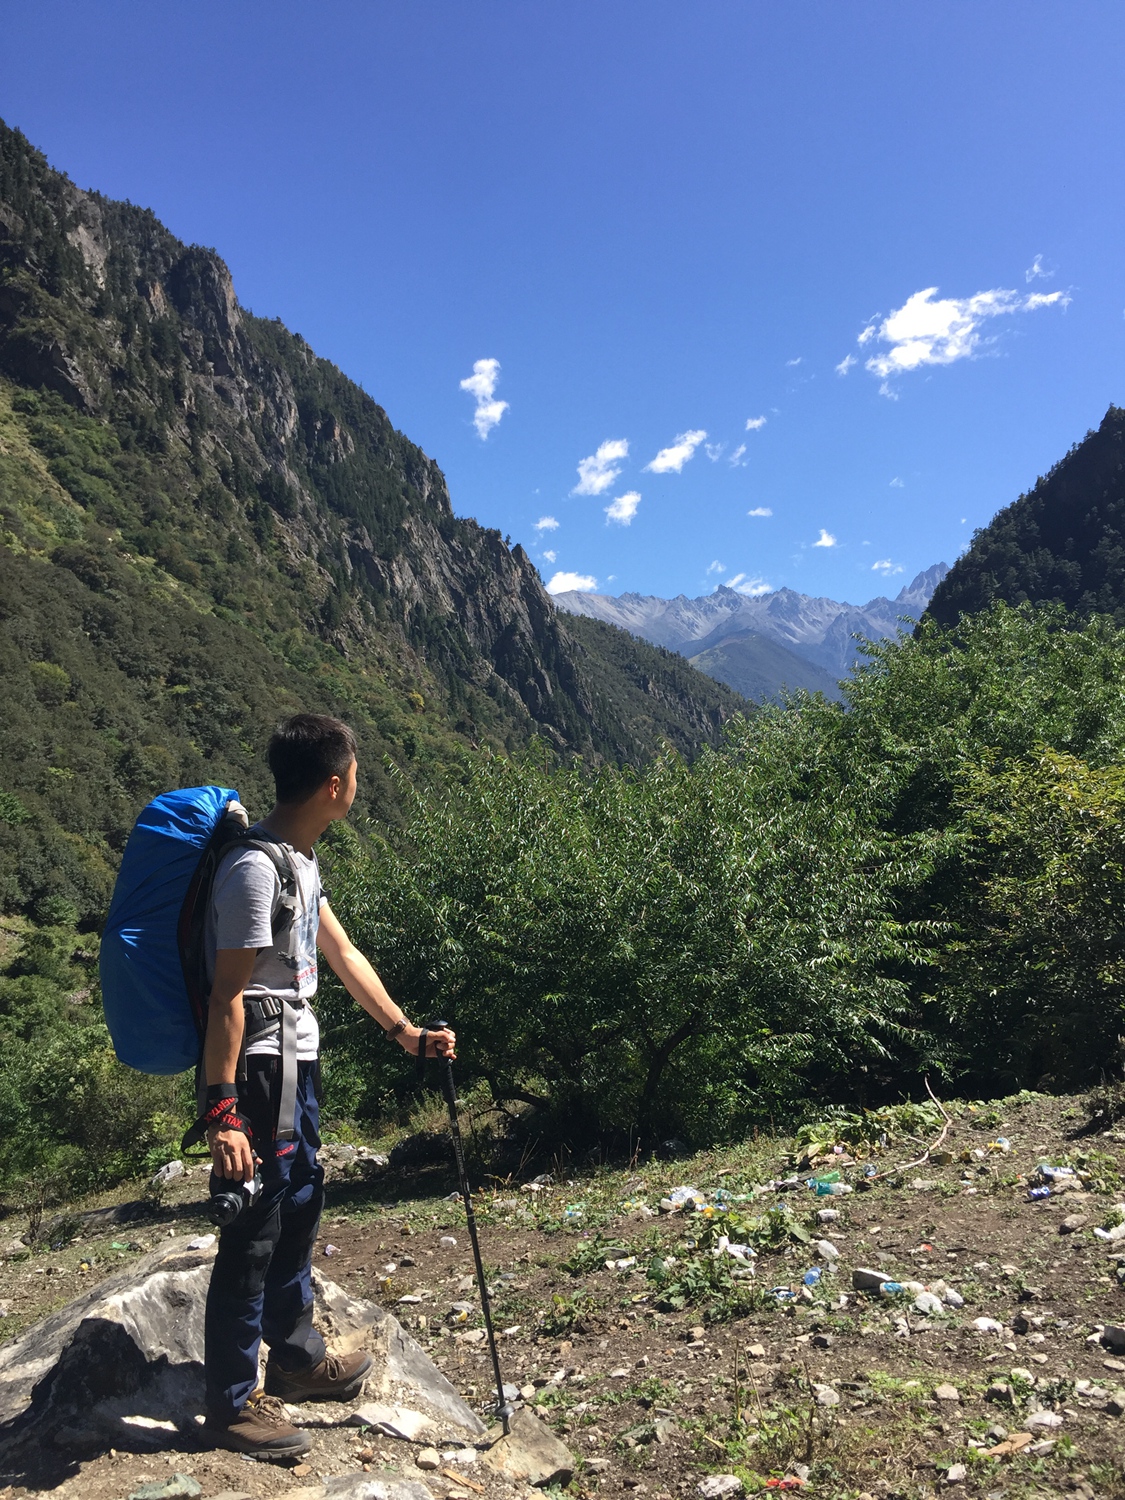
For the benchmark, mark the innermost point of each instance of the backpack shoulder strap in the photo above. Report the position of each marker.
(289, 897)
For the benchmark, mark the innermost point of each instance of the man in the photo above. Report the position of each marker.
(262, 1095)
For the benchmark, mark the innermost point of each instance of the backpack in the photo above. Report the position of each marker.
(154, 990)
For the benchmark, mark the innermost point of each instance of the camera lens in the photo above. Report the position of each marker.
(224, 1208)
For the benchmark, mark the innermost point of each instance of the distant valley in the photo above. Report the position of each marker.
(767, 644)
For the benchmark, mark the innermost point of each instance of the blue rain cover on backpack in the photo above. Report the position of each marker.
(144, 992)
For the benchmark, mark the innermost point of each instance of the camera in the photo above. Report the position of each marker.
(225, 1206)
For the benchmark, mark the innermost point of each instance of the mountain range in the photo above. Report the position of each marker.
(763, 644)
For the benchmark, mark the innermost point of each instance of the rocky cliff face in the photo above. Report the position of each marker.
(219, 446)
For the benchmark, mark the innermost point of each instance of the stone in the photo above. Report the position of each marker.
(757, 1351)
(361, 1487)
(999, 1391)
(124, 1362)
(826, 1395)
(178, 1487)
(956, 1473)
(719, 1486)
(1073, 1223)
(987, 1325)
(530, 1452)
(232, 1495)
(947, 1393)
(1113, 1336)
(428, 1458)
(928, 1305)
(1115, 1405)
(392, 1421)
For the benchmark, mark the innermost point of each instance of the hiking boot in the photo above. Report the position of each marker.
(261, 1429)
(335, 1378)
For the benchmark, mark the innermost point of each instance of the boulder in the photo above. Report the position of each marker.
(122, 1365)
(531, 1452)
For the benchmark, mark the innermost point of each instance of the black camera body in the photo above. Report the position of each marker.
(225, 1206)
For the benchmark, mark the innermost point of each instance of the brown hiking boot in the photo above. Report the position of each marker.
(336, 1378)
(261, 1429)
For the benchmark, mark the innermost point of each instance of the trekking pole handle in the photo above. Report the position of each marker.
(445, 1068)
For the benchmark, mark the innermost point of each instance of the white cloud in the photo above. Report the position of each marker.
(897, 484)
(623, 509)
(481, 385)
(717, 567)
(760, 510)
(755, 424)
(825, 539)
(546, 523)
(868, 333)
(846, 363)
(886, 567)
(566, 583)
(743, 584)
(790, 363)
(737, 460)
(549, 556)
(927, 332)
(1037, 269)
(599, 472)
(714, 451)
(671, 460)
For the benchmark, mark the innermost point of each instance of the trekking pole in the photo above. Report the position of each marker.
(445, 1068)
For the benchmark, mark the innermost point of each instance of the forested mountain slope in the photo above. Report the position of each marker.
(203, 526)
(1062, 542)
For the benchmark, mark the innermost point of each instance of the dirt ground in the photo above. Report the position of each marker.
(839, 1392)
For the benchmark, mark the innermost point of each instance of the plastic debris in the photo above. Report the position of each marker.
(892, 1288)
(1001, 1144)
(686, 1197)
(448, 1242)
(572, 1213)
(987, 1325)
(331, 1249)
(1036, 1193)
(201, 1242)
(812, 1276)
(826, 1250)
(783, 1293)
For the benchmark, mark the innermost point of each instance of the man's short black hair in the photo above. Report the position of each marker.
(305, 750)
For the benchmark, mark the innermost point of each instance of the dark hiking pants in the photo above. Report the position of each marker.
(261, 1285)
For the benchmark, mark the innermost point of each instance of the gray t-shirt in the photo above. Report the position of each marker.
(243, 898)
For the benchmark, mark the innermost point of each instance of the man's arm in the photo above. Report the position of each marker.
(367, 989)
(231, 1153)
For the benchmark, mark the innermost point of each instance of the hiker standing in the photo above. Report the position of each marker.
(261, 1064)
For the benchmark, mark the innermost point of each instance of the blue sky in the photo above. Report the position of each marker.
(659, 220)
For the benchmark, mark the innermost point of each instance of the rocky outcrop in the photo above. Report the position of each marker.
(122, 1366)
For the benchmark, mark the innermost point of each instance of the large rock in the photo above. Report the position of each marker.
(531, 1452)
(122, 1365)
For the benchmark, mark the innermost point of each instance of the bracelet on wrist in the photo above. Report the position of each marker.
(396, 1029)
